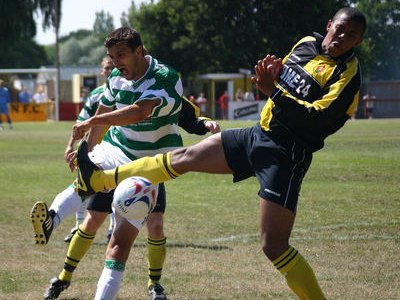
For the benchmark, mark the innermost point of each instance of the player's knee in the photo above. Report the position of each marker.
(155, 225)
(93, 221)
(273, 248)
(118, 249)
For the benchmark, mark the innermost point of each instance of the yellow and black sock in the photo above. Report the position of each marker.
(156, 252)
(157, 169)
(299, 275)
(79, 245)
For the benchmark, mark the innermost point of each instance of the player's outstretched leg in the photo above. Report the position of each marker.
(85, 169)
(55, 288)
(42, 221)
(91, 179)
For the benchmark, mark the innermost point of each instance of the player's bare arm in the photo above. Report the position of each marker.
(69, 148)
(95, 132)
(69, 154)
(127, 115)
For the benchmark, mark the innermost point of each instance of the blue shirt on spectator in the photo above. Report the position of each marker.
(24, 97)
(4, 95)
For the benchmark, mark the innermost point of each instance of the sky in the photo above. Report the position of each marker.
(81, 14)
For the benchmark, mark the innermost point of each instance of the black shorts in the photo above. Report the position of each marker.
(275, 159)
(102, 202)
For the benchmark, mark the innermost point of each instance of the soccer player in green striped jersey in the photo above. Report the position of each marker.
(147, 97)
(312, 92)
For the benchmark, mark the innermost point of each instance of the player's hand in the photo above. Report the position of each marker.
(67, 151)
(212, 126)
(71, 160)
(79, 129)
(267, 71)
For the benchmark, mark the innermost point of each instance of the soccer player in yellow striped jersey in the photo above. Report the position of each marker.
(312, 92)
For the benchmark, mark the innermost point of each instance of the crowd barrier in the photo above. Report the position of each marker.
(32, 112)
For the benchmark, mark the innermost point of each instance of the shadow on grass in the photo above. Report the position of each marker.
(180, 245)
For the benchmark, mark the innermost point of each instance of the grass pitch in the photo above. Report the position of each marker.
(348, 223)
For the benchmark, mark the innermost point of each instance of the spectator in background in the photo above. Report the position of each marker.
(223, 105)
(4, 100)
(369, 100)
(201, 102)
(239, 95)
(192, 99)
(249, 96)
(24, 96)
(40, 96)
(84, 95)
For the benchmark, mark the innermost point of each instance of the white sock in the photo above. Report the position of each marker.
(108, 284)
(80, 213)
(112, 222)
(65, 204)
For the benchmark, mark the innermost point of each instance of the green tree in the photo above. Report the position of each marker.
(22, 54)
(87, 50)
(125, 19)
(379, 53)
(16, 21)
(223, 36)
(86, 46)
(103, 24)
(18, 28)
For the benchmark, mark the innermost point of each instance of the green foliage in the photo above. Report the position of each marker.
(85, 47)
(222, 36)
(51, 11)
(23, 54)
(379, 52)
(78, 35)
(208, 36)
(17, 47)
(125, 20)
(83, 51)
(16, 21)
(103, 24)
(70, 50)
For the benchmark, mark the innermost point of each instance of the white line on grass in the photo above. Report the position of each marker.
(246, 237)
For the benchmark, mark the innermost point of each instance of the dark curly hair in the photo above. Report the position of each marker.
(123, 35)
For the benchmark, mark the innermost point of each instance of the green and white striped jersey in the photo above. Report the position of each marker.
(160, 132)
(91, 104)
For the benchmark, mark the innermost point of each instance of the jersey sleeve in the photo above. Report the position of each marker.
(90, 107)
(190, 120)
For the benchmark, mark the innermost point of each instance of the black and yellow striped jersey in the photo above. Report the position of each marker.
(316, 94)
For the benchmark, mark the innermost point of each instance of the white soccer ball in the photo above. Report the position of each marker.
(135, 197)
